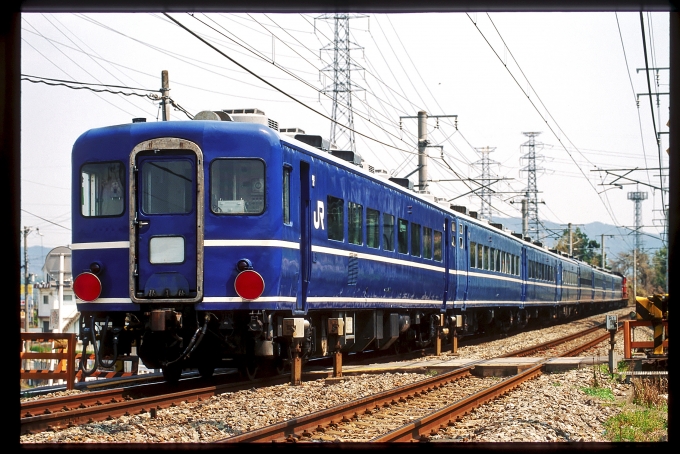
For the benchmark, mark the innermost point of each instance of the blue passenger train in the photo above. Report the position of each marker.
(224, 239)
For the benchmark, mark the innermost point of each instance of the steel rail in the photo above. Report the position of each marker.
(297, 429)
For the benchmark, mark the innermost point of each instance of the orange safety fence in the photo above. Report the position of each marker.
(659, 343)
(67, 369)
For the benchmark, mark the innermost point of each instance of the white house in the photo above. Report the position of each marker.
(55, 299)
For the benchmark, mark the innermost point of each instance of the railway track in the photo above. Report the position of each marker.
(83, 408)
(421, 407)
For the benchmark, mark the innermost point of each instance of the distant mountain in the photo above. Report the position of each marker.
(622, 240)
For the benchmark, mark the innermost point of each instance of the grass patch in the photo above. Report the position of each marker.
(602, 393)
(649, 424)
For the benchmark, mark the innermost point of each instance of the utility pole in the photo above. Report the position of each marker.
(26, 231)
(165, 96)
(423, 145)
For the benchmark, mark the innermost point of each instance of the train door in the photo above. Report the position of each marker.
(464, 248)
(449, 256)
(166, 219)
(558, 282)
(523, 275)
(306, 182)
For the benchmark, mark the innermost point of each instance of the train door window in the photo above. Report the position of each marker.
(237, 186)
(166, 186)
(453, 234)
(286, 195)
(415, 239)
(427, 242)
(438, 236)
(402, 236)
(355, 214)
(473, 254)
(372, 228)
(102, 190)
(336, 218)
(388, 232)
(461, 241)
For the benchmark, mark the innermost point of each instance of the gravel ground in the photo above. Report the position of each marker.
(551, 408)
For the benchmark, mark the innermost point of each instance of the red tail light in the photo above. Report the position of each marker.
(624, 288)
(249, 285)
(87, 287)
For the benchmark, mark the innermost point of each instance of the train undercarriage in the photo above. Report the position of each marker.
(263, 343)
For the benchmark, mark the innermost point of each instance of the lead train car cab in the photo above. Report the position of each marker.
(203, 241)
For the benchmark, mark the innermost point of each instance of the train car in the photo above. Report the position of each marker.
(224, 241)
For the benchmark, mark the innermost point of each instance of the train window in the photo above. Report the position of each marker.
(388, 232)
(453, 234)
(286, 195)
(517, 272)
(336, 219)
(473, 254)
(415, 240)
(237, 186)
(372, 228)
(453, 227)
(427, 242)
(438, 245)
(402, 236)
(480, 256)
(492, 259)
(355, 213)
(485, 258)
(461, 244)
(102, 190)
(166, 186)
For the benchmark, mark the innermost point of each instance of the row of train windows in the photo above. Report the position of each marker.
(569, 277)
(488, 258)
(541, 271)
(422, 242)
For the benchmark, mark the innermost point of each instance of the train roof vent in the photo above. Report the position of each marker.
(405, 182)
(314, 141)
(251, 116)
(291, 131)
(368, 167)
(527, 239)
(473, 214)
(538, 243)
(381, 173)
(517, 235)
(347, 155)
(213, 115)
(441, 201)
(495, 224)
(460, 209)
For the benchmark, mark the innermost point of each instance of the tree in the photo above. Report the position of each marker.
(659, 264)
(646, 274)
(583, 248)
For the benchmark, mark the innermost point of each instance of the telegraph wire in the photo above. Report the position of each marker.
(274, 86)
(46, 220)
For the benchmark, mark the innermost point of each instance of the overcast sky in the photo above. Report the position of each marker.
(573, 77)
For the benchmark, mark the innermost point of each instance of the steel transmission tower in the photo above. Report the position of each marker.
(638, 197)
(531, 191)
(341, 87)
(485, 193)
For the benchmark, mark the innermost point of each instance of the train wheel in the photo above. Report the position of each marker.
(206, 370)
(172, 373)
(250, 370)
